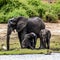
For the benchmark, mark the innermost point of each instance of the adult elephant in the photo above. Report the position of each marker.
(24, 25)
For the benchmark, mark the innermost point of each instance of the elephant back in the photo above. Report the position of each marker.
(35, 24)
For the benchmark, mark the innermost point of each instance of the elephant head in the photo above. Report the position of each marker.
(43, 34)
(15, 23)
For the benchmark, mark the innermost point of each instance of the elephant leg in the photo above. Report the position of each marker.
(34, 43)
(8, 37)
(41, 44)
(31, 46)
(48, 43)
(35, 40)
(44, 43)
(21, 36)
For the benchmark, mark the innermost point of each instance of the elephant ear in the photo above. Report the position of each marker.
(21, 24)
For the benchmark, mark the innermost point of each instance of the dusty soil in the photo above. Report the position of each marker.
(53, 27)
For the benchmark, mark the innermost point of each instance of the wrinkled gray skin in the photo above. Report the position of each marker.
(45, 36)
(23, 26)
(29, 40)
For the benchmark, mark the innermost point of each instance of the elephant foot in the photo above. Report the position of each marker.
(32, 48)
(7, 49)
(41, 47)
(48, 48)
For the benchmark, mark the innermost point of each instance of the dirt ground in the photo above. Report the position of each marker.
(53, 27)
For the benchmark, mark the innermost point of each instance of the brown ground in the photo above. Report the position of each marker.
(53, 27)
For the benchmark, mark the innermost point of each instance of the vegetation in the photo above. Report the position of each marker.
(29, 8)
(15, 48)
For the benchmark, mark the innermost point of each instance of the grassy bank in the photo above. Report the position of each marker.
(28, 8)
(15, 48)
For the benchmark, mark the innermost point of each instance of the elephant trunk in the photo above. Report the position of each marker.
(9, 30)
(8, 37)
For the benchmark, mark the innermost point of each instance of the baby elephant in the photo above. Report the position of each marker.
(45, 36)
(29, 41)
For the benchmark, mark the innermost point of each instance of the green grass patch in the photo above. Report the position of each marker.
(25, 51)
(16, 49)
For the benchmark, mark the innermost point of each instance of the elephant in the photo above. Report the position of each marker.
(45, 36)
(29, 40)
(24, 26)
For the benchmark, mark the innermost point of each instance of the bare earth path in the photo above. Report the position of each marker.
(53, 27)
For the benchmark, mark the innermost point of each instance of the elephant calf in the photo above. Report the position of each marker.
(45, 36)
(29, 40)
